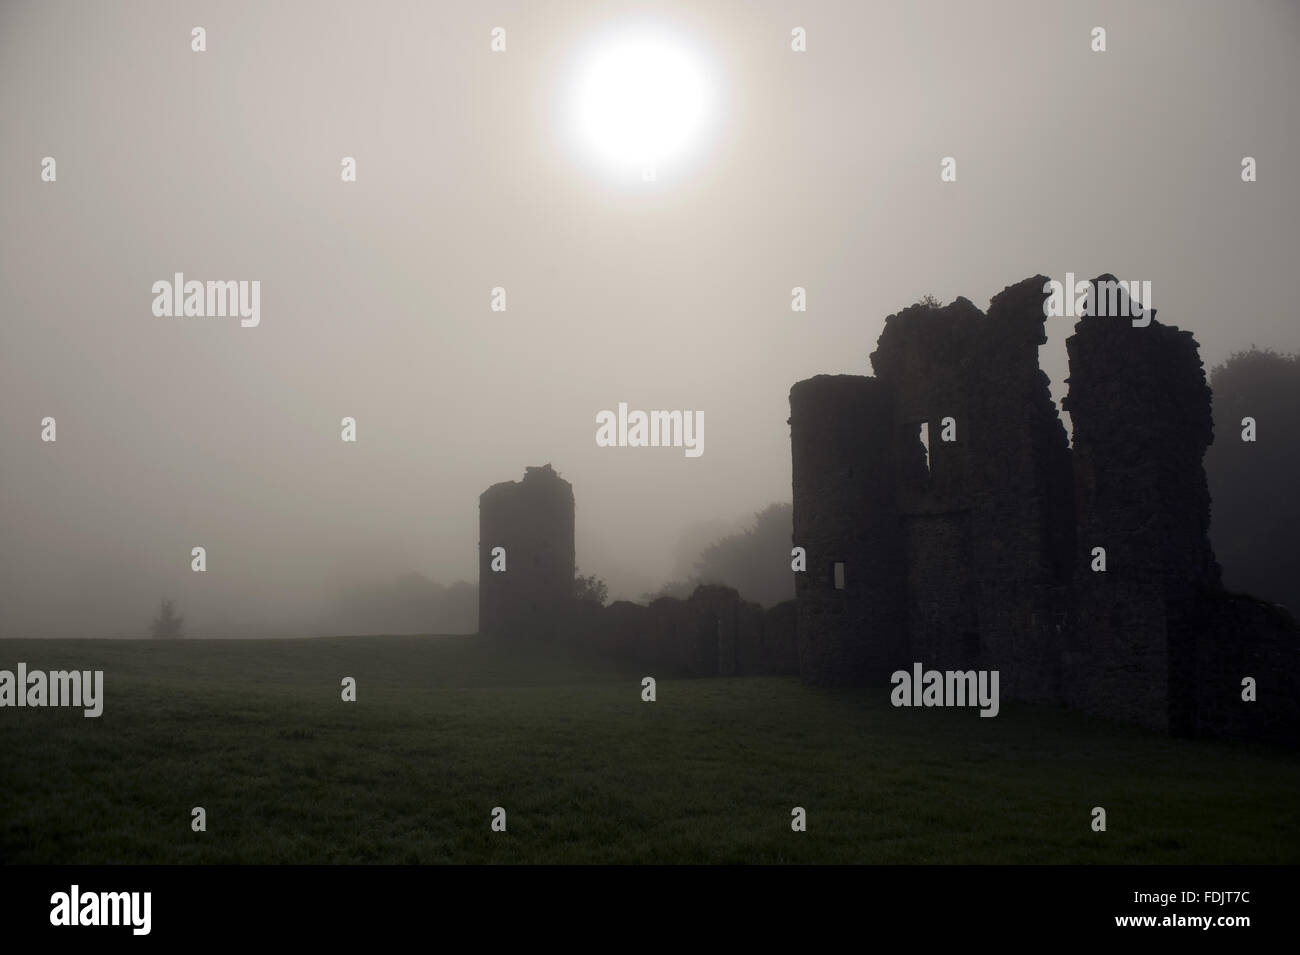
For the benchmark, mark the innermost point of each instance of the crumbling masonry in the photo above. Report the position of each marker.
(531, 590)
(530, 595)
(978, 551)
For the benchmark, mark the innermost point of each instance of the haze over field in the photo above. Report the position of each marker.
(817, 169)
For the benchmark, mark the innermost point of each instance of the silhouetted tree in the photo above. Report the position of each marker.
(168, 625)
(590, 589)
(932, 301)
(755, 562)
(1255, 509)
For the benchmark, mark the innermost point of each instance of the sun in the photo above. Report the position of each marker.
(641, 99)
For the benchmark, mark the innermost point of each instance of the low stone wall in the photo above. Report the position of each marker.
(1238, 637)
(713, 633)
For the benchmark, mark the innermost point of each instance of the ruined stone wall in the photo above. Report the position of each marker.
(841, 436)
(712, 633)
(1024, 514)
(978, 553)
(781, 638)
(988, 526)
(740, 626)
(1141, 413)
(921, 358)
(1242, 637)
(680, 637)
(533, 520)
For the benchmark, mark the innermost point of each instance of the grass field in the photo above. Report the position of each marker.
(446, 728)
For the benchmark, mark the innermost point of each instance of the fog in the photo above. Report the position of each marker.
(819, 169)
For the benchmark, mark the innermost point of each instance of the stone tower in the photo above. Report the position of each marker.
(851, 623)
(1141, 411)
(532, 520)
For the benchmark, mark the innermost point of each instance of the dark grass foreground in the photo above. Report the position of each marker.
(445, 728)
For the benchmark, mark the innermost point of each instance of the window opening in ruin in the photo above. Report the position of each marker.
(838, 575)
(925, 443)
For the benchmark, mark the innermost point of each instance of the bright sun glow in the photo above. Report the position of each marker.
(641, 100)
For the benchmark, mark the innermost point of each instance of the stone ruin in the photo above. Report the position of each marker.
(712, 633)
(947, 520)
(976, 551)
(532, 520)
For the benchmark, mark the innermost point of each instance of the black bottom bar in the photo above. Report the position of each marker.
(329, 904)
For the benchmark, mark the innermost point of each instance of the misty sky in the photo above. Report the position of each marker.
(819, 169)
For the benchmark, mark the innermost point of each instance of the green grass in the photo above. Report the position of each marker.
(445, 728)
